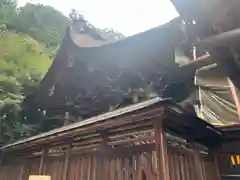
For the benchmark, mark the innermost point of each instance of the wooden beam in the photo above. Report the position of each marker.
(161, 150)
(66, 162)
(44, 154)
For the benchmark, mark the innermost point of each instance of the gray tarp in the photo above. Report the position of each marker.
(217, 103)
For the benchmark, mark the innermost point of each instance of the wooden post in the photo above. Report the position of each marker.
(67, 155)
(44, 154)
(161, 150)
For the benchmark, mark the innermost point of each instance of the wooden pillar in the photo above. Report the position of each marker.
(66, 162)
(161, 150)
(43, 156)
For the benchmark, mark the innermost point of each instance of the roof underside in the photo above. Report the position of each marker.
(91, 79)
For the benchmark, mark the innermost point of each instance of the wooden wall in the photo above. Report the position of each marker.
(183, 165)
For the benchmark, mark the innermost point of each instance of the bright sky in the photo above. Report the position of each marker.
(126, 16)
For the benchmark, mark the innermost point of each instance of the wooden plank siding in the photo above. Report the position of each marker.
(157, 143)
(140, 165)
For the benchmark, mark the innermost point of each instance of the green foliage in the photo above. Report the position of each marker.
(43, 23)
(22, 67)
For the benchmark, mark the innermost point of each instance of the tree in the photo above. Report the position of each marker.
(22, 67)
(43, 23)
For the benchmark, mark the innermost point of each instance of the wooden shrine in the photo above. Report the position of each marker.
(152, 140)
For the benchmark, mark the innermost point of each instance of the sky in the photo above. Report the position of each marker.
(126, 16)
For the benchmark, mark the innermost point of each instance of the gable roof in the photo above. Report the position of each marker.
(90, 77)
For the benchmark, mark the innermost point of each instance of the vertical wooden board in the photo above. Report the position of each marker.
(66, 162)
(118, 169)
(106, 168)
(177, 165)
(133, 167)
(182, 166)
(26, 172)
(118, 174)
(203, 169)
(76, 168)
(111, 162)
(62, 168)
(57, 165)
(161, 148)
(57, 169)
(126, 168)
(10, 172)
(49, 168)
(171, 166)
(71, 168)
(192, 164)
(85, 168)
(74, 163)
(90, 168)
(122, 168)
(94, 168)
(3, 173)
(46, 167)
(52, 172)
(129, 168)
(149, 166)
(17, 170)
(187, 167)
(154, 164)
(81, 168)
